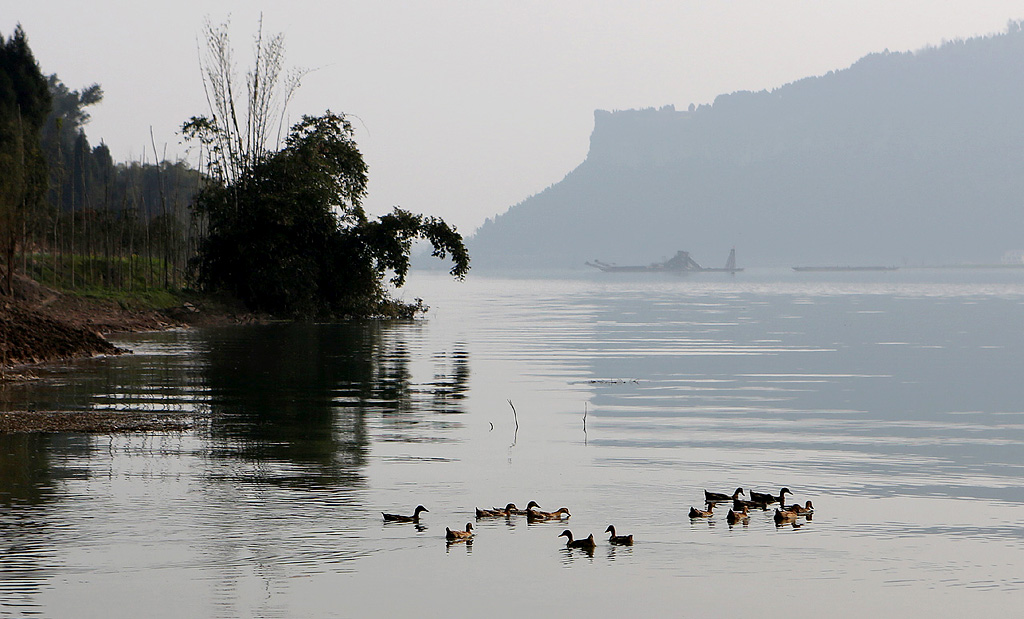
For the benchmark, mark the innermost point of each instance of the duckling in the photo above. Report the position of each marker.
(621, 540)
(717, 497)
(524, 512)
(738, 516)
(784, 517)
(801, 511)
(586, 544)
(400, 518)
(534, 515)
(496, 512)
(453, 536)
(700, 513)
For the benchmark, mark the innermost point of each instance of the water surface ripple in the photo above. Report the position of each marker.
(893, 401)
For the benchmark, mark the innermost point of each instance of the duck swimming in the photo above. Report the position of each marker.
(738, 516)
(784, 517)
(782, 495)
(400, 518)
(534, 515)
(523, 512)
(586, 544)
(801, 511)
(621, 540)
(740, 505)
(717, 497)
(767, 499)
(453, 536)
(496, 512)
(700, 513)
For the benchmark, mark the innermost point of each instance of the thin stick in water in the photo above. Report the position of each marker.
(585, 423)
(515, 433)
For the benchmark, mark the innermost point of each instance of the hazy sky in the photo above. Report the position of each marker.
(468, 107)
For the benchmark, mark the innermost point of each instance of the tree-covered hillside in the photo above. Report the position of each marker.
(69, 215)
(902, 158)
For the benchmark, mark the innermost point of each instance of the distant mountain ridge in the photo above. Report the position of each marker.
(913, 157)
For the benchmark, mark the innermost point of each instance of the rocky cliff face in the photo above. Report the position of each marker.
(900, 158)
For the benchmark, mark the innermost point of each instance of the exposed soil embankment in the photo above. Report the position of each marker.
(28, 335)
(39, 324)
(31, 337)
(42, 325)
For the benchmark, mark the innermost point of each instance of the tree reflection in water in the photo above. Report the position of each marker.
(298, 394)
(287, 416)
(28, 484)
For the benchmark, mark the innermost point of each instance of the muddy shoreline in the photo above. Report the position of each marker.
(42, 326)
(94, 423)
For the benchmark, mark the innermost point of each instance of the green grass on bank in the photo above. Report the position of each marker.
(134, 283)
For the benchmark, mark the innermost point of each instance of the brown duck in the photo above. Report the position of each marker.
(784, 517)
(496, 512)
(621, 540)
(734, 517)
(535, 515)
(400, 518)
(718, 497)
(523, 512)
(768, 499)
(700, 513)
(804, 510)
(454, 536)
(586, 544)
(739, 505)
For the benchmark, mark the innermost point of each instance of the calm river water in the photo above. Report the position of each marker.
(893, 401)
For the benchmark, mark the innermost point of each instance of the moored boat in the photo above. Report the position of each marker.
(680, 263)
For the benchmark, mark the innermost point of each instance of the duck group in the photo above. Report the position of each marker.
(740, 514)
(533, 514)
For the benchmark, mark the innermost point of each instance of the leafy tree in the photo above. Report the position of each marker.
(286, 231)
(290, 236)
(72, 166)
(24, 104)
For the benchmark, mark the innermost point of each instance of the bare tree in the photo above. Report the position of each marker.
(237, 137)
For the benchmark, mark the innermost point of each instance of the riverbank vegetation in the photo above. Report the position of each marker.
(65, 204)
(87, 246)
(284, 227)
(274, 223)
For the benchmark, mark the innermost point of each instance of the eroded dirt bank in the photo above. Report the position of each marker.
(41, 325)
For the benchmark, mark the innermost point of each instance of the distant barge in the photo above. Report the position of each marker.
(680, 263)
(833, 269)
